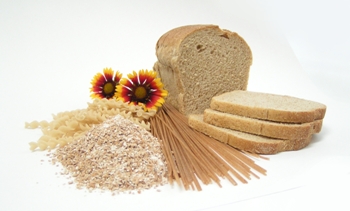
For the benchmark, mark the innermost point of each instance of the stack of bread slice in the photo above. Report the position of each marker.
(259, 122)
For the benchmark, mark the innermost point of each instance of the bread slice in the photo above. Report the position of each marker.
(262, 127)
(197, 62)
(279, 108)
(245, 141)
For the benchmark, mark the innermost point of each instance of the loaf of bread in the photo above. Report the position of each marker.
(278, 108)
(286, 131)
(245, 141)
(197, 62)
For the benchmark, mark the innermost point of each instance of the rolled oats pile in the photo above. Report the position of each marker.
(116, 155)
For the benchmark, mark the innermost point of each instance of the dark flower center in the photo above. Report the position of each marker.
(141, 93)
(109, 89)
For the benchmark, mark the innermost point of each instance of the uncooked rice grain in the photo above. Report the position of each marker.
(115, 155)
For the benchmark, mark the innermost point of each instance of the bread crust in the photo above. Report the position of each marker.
(247, 142)
(170, 51)
(169, 43)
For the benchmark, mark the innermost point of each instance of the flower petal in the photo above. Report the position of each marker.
(108, 73)
(101, 84)
(133, 77)
(117, 77)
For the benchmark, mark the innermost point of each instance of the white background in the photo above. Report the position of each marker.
(50, 50)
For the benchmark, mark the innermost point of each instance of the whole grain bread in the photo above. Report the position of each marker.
(245, 141)
(197, 62)
(279, 108)
(266, 128)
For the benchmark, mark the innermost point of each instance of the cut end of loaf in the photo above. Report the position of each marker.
(201, 61)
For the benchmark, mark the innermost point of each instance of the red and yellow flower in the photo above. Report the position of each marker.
(142, 88)
(104, 85)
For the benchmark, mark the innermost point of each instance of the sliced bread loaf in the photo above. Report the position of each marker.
(245, 141)
(197, 62)
(279, 108)
(262, 127)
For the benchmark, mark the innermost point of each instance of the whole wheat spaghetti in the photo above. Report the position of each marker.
(192, 156)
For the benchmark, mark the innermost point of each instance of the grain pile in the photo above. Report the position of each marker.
(116, 155)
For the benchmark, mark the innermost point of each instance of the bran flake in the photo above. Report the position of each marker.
(116, 155)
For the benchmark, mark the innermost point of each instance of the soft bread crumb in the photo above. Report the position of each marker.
(279, 108)
(245, 141)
